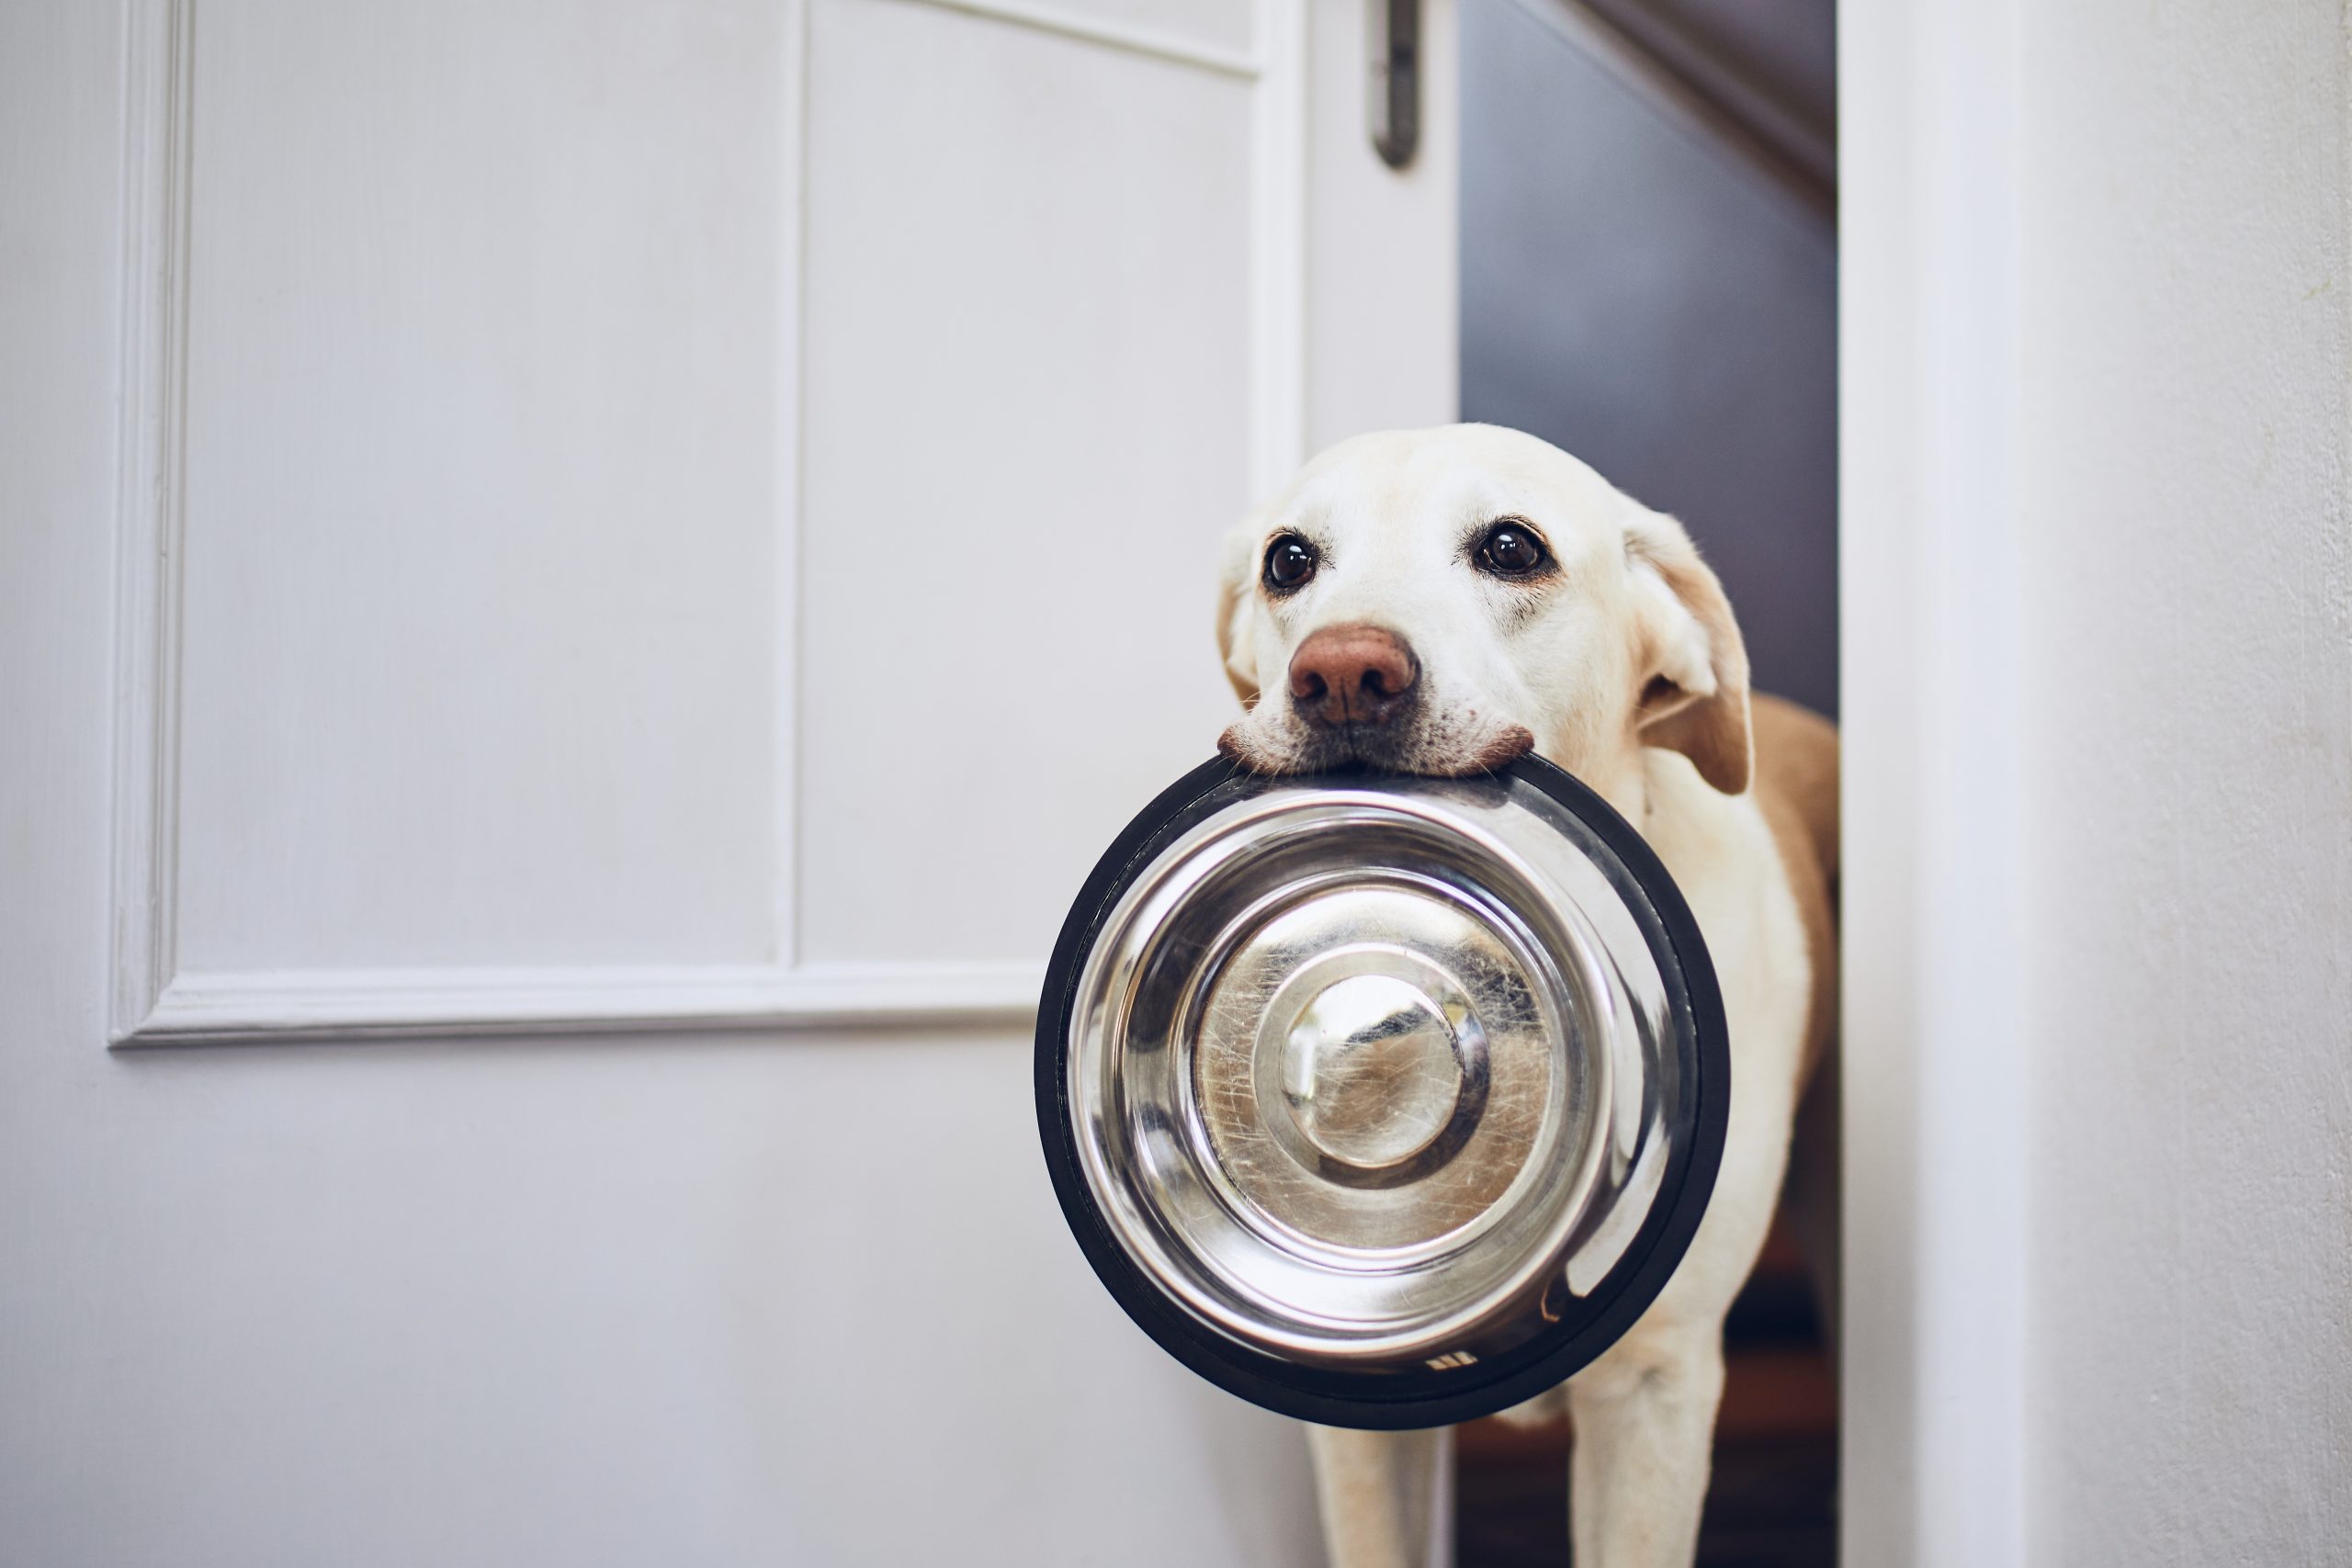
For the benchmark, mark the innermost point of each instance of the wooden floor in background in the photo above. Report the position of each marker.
(1772, 1500)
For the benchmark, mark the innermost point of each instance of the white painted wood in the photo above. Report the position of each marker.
(1036, 355)
(479, 505)
(309, 1004)
(1381, 243)
(612, 1295)
(1279, 220)
(462, 708)
(155, 139)
(1216, 36)
(1932, 1442)
(2098, 800)
(472, 749)
(1934, 1268)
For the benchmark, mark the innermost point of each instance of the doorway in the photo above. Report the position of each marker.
(1648, 265)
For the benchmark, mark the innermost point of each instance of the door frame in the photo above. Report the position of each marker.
(1932, 1342)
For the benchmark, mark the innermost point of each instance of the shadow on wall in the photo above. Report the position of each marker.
(1649, 278)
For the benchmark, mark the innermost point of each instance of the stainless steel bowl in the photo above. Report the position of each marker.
(1382, 1102)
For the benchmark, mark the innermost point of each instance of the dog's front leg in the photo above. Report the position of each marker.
(1382, 1496)
(1644, 1417)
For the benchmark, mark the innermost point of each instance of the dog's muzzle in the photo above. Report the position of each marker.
(1382, 1102)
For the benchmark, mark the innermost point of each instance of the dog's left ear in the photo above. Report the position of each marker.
(1693, 665)
(1237, 595)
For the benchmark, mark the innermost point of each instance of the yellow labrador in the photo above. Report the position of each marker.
(1439, 602)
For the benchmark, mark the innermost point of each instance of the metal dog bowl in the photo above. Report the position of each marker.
(1382, 1102)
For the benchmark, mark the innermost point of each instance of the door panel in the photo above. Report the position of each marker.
(1028, 422)
(706, 518)
(480, 506)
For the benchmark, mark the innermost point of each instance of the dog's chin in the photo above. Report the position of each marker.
(1447, 749)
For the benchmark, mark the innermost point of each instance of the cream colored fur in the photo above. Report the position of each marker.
(1626, 666)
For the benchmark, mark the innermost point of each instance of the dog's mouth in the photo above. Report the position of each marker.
(1460, 746)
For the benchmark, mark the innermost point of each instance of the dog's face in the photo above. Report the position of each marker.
(1441, 600)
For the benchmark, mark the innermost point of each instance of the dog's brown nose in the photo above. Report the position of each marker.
(1354, 674)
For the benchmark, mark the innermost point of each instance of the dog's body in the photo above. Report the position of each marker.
(1439, 602)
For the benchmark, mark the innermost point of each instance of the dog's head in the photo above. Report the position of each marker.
(1441, 600)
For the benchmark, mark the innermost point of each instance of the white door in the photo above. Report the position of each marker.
(579, 585)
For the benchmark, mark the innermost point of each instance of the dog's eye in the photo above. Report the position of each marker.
(1511, 550)
(1290, 561)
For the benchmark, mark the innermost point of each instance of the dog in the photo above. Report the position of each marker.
(1439, 602)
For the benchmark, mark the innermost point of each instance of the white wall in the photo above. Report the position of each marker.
(2097, 649)
(766, 1297)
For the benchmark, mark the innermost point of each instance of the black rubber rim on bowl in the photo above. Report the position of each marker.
(1397, 1400)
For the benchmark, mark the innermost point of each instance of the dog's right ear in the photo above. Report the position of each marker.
(1236, 599)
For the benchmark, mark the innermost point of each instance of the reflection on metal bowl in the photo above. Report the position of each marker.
(1382, 1102)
